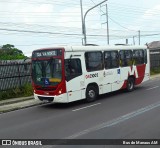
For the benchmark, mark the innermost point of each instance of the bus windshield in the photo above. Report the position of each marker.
(47, 72)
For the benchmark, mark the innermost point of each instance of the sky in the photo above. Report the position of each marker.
(34, 24)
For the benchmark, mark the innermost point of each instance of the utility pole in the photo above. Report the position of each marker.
(107, 24)
(126, 41)
(133, 40)
(139, 36)
(82, 18)
(84, 26)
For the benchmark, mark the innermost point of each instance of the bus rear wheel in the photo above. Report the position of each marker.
(91, 93)
(130, 84)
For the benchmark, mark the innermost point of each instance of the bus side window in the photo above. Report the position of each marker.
(111, 59)
(122, 58)
(141, 56)
(138, 57)
(128, 56)
(72, 68)
(107, 59)
(125, 58)
(94, 61)
(145, 56)
(115, 59)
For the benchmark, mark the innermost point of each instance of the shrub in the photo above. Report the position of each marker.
(24, 91)
(155, 70)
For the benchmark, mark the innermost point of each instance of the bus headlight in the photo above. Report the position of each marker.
(60, 91)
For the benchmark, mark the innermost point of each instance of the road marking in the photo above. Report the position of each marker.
(116, 120)
(152, 88)
(86, 107)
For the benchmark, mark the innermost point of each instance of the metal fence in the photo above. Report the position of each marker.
(14, 74)
(155, 59)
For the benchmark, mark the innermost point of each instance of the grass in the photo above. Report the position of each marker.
(155, 71)
(24, 91)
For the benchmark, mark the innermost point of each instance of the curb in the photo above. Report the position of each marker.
(20, 107)
(155, 76)
(15, 100)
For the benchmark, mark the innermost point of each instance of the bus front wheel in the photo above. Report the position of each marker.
(91, 93)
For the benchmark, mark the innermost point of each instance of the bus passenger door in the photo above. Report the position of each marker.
(111, 80)
(116, 85)
(74, 79)
(107, 83)
(112, 71)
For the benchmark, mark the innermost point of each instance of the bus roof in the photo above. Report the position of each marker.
(100, 48)
(95, 48)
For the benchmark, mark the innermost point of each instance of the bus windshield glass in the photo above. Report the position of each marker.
(47, 72)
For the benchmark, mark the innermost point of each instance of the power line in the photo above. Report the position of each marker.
(68, 34)
(60, 27)
(121, 25)
(44, 32)
(114, 20)
(38, 3)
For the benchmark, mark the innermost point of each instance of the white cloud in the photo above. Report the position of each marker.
(152, 13)
(66, 17)
(39, 13)
(71, 18)
(150, 19)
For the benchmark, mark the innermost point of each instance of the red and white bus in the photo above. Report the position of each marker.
(70, 73)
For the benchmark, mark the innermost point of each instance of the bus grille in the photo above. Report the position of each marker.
(50, 99)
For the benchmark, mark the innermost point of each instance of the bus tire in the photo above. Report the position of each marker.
(130, 84)
(91, 93)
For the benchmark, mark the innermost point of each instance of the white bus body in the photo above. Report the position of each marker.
(100, 70)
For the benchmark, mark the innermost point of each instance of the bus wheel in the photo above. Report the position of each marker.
(91, 93)
(130, 84)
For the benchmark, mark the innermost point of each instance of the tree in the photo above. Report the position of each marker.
(9, 52)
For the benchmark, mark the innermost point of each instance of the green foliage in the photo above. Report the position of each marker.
(24, 91)
(9, 52)
(27, 90)
(155, 71)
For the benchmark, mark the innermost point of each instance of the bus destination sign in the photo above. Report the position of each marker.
(46, 53)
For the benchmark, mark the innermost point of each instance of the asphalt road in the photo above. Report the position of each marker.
(118, 115)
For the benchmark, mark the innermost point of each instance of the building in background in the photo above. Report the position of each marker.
(154, 54)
